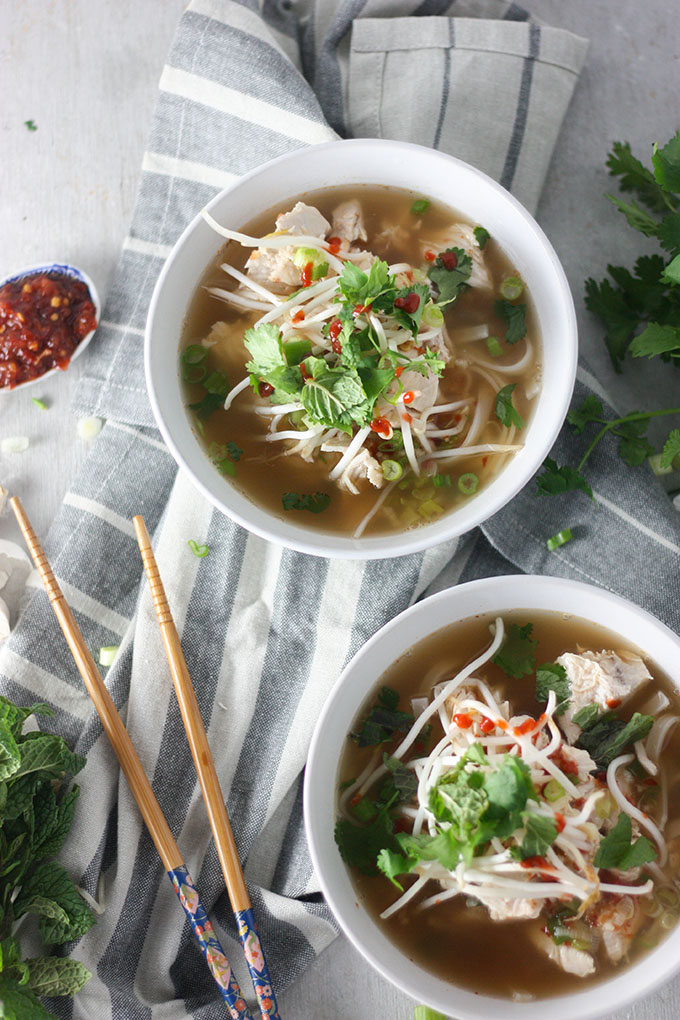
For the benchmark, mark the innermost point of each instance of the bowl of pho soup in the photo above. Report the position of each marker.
(361, 349)
(493, 805)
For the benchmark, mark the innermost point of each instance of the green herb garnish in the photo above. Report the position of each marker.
(610, 736)
(420, 206)
(200, 551)
(31, 125)
(383, 721)
(506, 411)
(481, 235)
(618, 851)
(551, 676)
(516, 656)
(514, 317)
(450, 272)
(316, 502)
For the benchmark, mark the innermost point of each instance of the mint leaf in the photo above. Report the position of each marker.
(551, 676)
(450, 275)
(514, 317)
(506, 411)
(56, 975)
(667, 164)
(49, 882)
(383, 721)
(555, 480)
(46, 752)
(617, 850)
(9, 752)
(360, 845)
(610, 736)
(655, 339)
(590, 409)
(540, 834)
(587, 716)
(404, 779)
(20, 1003)
(516, 656)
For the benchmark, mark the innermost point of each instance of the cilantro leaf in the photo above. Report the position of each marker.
(265, 346)
(655, 339)
(591, 409)
(634, 448)
(669, 232)
(481, 235)
(554, 480)
(610, 736)
(506, 411)
(667, 164)
(508, 789)
(551, 676)
(359, 288)
(671, 449)
(671, 273)
(516, 656)
(619, 319)
(634, 176)
(514, 317)
(209, 403)
(411, 320)
(361, 845)
(638, 218)
(450, 281)
(540, 834)
(316, 503)
(618, 851)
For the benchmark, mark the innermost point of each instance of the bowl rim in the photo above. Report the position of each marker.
(527, 591)
(328, 544)
(69, 270)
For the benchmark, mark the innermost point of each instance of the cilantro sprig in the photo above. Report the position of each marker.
(640, 311)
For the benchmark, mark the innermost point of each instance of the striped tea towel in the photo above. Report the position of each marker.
(266, 631)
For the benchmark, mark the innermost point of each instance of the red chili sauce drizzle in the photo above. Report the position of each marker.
(43, 318)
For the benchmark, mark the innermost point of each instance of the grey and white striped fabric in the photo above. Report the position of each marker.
(266, 631)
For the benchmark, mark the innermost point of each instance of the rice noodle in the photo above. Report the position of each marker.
(247, 281)
(482, 411)
(472, 451)
(513, 369)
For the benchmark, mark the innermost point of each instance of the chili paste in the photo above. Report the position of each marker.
(43, 318)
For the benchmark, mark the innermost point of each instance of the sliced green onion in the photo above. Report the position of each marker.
(467, 483)
(432, 315)
(511, 288)
(227, 467)
(364, 810)
(420, 206)
(441, 481)
(194, 354)
(303, 256)
(392, 470)
(107, 654)
(668, 897)
(668, 920)
(419, 275)
(216, 451)
(423, 490)
(40, 403)
(297, 350)
(425, 1013)
(655, 465)
(193, 373)
(583, 944)
(318, 272)
(217, 383)
(605, 806)
(561, 538)
(430, 509)
(198, 550)
(553, 791)
(493, 346)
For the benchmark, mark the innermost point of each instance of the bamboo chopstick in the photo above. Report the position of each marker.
(207, 775)
(134, 773)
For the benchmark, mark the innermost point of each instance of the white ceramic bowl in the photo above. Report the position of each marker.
(496, 594)
(77, 274)
(399, 165)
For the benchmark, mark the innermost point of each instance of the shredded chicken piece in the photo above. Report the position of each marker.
(274, 268)
(510, 909)
(348, 222)
(604, 678)
(362, 466)
(303, 219)
(618, 921)
(573, 961)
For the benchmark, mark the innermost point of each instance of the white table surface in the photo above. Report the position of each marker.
(86, 72)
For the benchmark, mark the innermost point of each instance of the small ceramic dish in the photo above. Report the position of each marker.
(44, 268)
